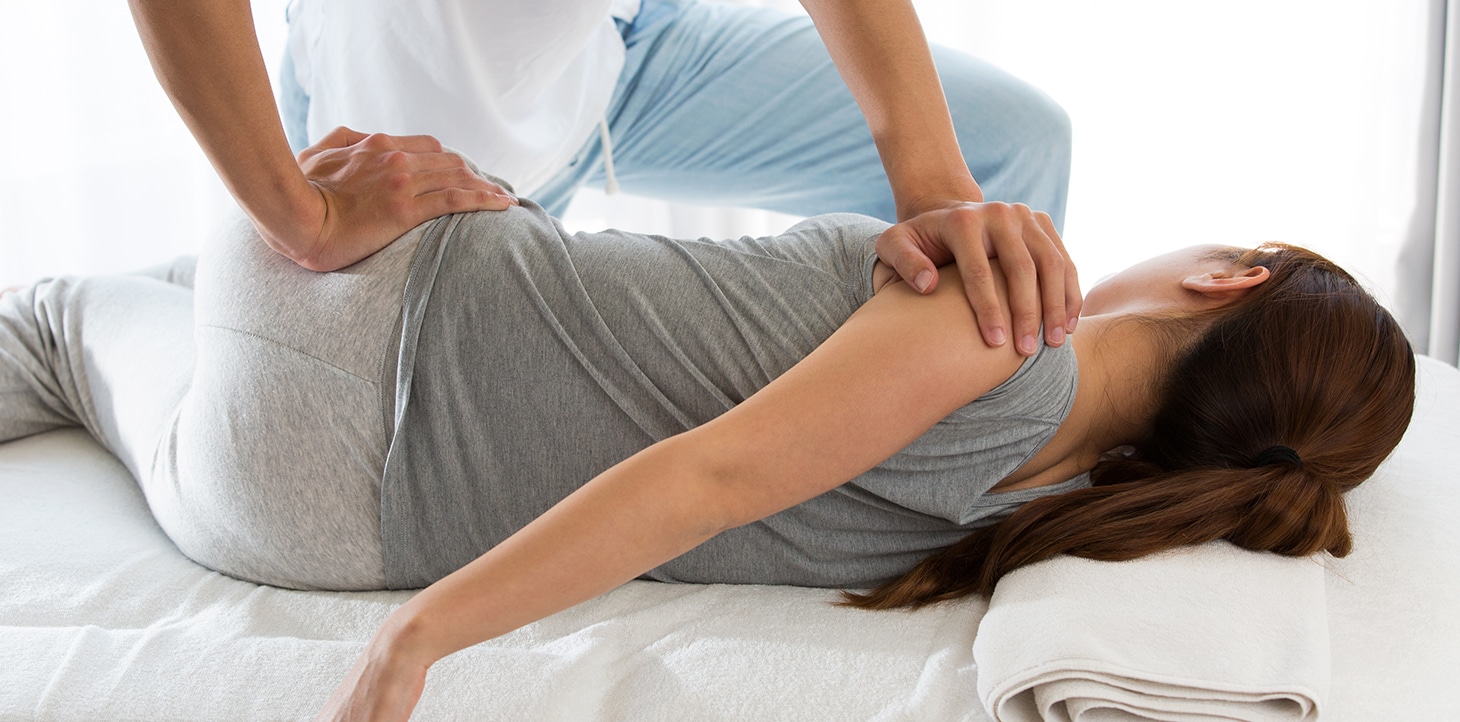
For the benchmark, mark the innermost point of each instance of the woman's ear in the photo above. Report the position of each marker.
(1227, 286)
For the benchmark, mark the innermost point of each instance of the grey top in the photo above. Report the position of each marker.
(532, 359)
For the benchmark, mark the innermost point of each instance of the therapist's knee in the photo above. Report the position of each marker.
(1016, 124)
(1040, 164)
(1049, 133)
(1016, 139)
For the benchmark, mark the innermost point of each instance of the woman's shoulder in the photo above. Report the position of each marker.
(1041, 389)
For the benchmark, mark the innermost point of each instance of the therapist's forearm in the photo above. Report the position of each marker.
(206, 55)
(880, 50)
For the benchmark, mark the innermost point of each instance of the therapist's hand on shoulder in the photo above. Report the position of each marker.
(881, 52)
(372, 189)
(1041, 279)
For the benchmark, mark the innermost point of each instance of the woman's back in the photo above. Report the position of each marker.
(533, 359)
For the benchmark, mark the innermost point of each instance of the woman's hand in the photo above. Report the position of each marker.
(384, 684)
(1041, 277)
(372, 189)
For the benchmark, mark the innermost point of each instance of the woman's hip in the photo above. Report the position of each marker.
(271, 471)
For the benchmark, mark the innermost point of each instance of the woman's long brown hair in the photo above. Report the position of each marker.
(1308, 360)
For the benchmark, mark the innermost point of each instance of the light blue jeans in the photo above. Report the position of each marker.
(729, 105)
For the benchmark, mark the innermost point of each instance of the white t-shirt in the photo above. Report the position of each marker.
(517, 85)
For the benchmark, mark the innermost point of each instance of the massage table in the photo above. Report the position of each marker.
(101, 618)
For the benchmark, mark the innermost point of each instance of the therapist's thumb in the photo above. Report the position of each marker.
(899, 249)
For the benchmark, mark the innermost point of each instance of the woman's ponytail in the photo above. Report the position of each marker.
(1293, 514)
(1279, 407)
(1121, 521)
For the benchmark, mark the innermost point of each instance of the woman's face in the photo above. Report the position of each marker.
(1160, 284)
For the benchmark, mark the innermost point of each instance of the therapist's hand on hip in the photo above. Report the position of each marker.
(340, 200)
(374, 188)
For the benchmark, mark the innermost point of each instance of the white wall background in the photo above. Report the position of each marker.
(1233, 122)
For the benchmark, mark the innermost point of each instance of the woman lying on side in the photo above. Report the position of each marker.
(523, 419)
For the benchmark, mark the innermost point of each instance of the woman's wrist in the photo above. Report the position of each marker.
(408, 639)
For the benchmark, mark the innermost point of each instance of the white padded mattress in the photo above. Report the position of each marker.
(102, 618)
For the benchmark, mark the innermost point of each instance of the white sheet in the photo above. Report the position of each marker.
(101, 618)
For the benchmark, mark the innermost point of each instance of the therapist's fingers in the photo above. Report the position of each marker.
(453, 168)
(1074, 296)
(430, 180)
(1040, 282)
(967, 232)
(417, 143)
(390, 171)
(900, 249)
(1038, 271)
(340, 137)
(376, 187)
(1016, 248)
(440, 202)
(988, 308)
(446, 190)
(428, 161)
(1050, 265)
(343, 137)
(1051, 279)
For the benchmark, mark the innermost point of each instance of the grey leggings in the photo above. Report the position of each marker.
(253, 410)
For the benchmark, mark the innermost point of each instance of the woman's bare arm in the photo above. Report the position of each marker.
(356, 192)
(898, 366)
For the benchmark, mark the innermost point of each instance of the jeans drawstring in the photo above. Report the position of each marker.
(611, 186)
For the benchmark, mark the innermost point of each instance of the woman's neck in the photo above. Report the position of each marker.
(1121, 359)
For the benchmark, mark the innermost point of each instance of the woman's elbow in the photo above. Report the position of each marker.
(713, 485)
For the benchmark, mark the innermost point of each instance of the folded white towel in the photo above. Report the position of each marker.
(1202, 633)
